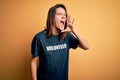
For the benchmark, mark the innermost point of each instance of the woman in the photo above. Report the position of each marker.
(50, 47)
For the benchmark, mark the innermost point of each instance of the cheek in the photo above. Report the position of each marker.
(57, 20)
(58, 17)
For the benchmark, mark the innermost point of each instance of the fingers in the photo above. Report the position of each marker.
(64, 31)
(73, 21)
(70, 20)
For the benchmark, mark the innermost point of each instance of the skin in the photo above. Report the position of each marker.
(34, 61)
(59, 27)
(59, 16)
(56, 29)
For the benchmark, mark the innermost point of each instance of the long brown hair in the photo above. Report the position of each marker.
(51, 20)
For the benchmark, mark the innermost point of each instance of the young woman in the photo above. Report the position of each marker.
(50, 47)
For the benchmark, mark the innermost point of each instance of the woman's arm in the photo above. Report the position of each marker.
(70, 28)
(83, 43)
(34, 63)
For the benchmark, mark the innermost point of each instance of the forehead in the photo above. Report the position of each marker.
(61, 10)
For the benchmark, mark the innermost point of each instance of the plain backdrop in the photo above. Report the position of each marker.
(97, 20)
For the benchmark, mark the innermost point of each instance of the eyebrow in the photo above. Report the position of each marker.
(61, 13)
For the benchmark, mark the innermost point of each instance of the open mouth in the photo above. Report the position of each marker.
(63, 22)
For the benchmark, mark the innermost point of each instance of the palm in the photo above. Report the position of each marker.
(70, 26)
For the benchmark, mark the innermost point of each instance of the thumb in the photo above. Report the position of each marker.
(64, 31)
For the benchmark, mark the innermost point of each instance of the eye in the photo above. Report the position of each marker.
(59, 13)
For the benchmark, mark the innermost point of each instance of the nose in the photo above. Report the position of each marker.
(63, 16)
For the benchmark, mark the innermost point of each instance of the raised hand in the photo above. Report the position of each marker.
(70, 26)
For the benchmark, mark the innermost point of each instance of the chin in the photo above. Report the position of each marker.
(62, 28)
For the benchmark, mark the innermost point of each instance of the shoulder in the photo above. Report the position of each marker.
(41, 34)
(69, 34)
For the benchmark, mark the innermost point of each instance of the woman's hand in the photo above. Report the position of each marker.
(70, 26)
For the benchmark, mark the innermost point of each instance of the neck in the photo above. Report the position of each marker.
(55, 31)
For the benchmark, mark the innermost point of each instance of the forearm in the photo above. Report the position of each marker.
(34, 68)
(83, 43)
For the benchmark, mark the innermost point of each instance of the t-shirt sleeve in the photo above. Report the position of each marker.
(73, 41)
(35, 46)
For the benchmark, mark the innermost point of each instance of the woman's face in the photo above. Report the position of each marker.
(60, 18)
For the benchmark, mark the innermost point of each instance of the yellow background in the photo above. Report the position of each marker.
(97, 20)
